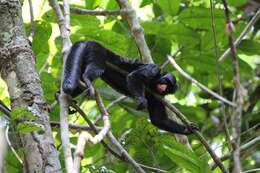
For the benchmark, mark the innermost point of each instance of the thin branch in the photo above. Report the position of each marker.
(136, 30)
(243, 148)
(240, 93)
(3, 146)
(77, 127)
(218, 70)
(122, 156)
(116, 101)
(251, 170)
(95, 12)
(66, 9)
(63, 99)
(174, 57)
(79, 153)
(242, 35)
(102, 133)
(87, 128)
(11, 147)
(111, 104)
(203, 87)
(5, 109)
(32, 24)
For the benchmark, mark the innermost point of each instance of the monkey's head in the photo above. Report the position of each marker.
(166, 84)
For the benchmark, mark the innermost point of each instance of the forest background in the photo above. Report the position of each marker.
(219, 89)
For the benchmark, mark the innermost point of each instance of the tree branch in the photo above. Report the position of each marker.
(63, 99)
(243, 148)
(201, 86)
(123, 155)
(94, 12)
(136, 30)
(32, 24)
(241, 36)
(240, 93)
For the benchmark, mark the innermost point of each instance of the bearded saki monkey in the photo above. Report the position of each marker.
(88, 60)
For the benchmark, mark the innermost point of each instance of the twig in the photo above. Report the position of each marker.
(242, 148)
(11, 147)
(66, 9)
(3, 147)
(240, 93)
(124, 153)
(203, 87)
(79, 153)
(5, 110)
(252, 170)
(63, 99)
(241, 36)
(102, 133)
(111, 104)
(78, 127)
(174, 57)
(94, 12)
(136, 30)
(32, 24)
(218, 70)
(123, 156)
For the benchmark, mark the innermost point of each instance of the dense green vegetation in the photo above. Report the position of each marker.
(168, 25)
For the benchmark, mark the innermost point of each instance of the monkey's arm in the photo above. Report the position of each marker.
(137, 79)
(159, 118)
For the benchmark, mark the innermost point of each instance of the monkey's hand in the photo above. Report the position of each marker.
(193, 127)
(57, 95)
(142, 103)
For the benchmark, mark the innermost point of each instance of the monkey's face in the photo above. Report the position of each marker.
(161, 88)
(166, 84)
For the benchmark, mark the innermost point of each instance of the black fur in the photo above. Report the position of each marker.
(87, 61)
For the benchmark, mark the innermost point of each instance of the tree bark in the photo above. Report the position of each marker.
(17, 66)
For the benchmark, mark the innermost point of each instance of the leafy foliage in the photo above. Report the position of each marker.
(168, 25)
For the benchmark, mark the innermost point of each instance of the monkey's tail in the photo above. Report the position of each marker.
(73, 67)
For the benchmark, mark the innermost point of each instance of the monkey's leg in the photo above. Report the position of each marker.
(91, 73)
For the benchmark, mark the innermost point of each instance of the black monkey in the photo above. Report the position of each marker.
(89, 60)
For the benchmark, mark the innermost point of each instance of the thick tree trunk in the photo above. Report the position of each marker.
(17, 66)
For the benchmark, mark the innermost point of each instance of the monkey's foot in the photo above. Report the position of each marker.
(90, 91)
(142, 104)
(193, 127)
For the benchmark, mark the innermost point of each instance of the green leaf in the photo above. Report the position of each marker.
(185, 158)
(90, 4)
(27, 127)
(21, 113)
(145, 2)
(250, 47)
(112, 5)
(177, 32)
(170, 7)
(200, 18)
(236, 3)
